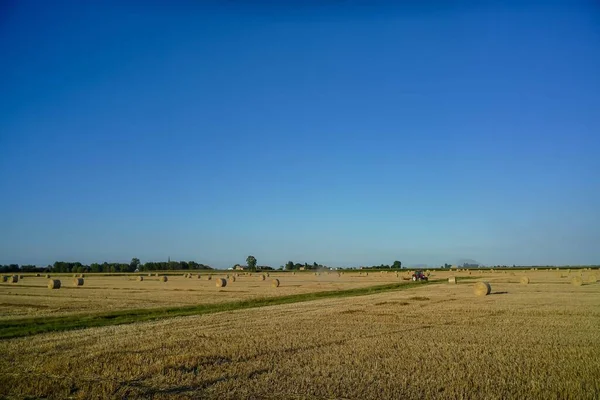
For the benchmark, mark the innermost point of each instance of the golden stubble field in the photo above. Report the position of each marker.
(30, 297)
(535, 341)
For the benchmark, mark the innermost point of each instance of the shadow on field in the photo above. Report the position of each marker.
(498, 293)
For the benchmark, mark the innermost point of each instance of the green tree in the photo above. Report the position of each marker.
(134, 264)
(397, 264)
(251, 261)
(289, 266)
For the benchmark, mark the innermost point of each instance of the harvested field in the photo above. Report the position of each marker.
(522, 341)
(102, 293)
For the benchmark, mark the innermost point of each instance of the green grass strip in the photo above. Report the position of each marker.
(32, 326)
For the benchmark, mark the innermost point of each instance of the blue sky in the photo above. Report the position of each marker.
(343, 133)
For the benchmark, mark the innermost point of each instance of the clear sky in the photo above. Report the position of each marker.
(338, 132)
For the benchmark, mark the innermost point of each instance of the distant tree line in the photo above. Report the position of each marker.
(470, 265)
(22, 268)
(395, 265)
(291, 266)
(134, 265)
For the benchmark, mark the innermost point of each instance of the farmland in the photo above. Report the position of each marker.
(100, 293)
(535, 340)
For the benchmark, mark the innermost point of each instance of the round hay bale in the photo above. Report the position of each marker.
(592, 278)
(275, 283)
(268, 275)
(4, 278)
(37, 275)
(227, 276)
(209, 277)
(82, 276)
(140, 278)
(47, 276)
(78, 282)
(163, 278)
(233, 278)
(576, 281)
(316, 274)
(13, 279)
(21, 276)
(482, 289)
(221, 282)
(74, 275)
(293, 273)
(198, 276)
(524, 280)
(262, 277)
(53, 284)
(149, 274)
(452, 280)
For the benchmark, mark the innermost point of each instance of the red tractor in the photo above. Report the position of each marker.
(419, 276)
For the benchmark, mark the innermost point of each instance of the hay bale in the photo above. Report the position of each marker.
(47, 276)
(149, 274)
(82, 276)
(37, 275)
(482, 289)
(227, 276)
(163, 278)
(275, 283)
(576, 281)
(140, 278)
(209, 277)
(53, 284)
(21, 276)
(78, 282)
(233, 278)
(198, 276)
(4, 278)
(452, 280)
(524, 280)
(592, 278)
(13, 279)
(268, 275)
(221, 282)
(293, 273)
(262, 277)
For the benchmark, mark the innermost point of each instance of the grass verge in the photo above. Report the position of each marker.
(32, 326)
